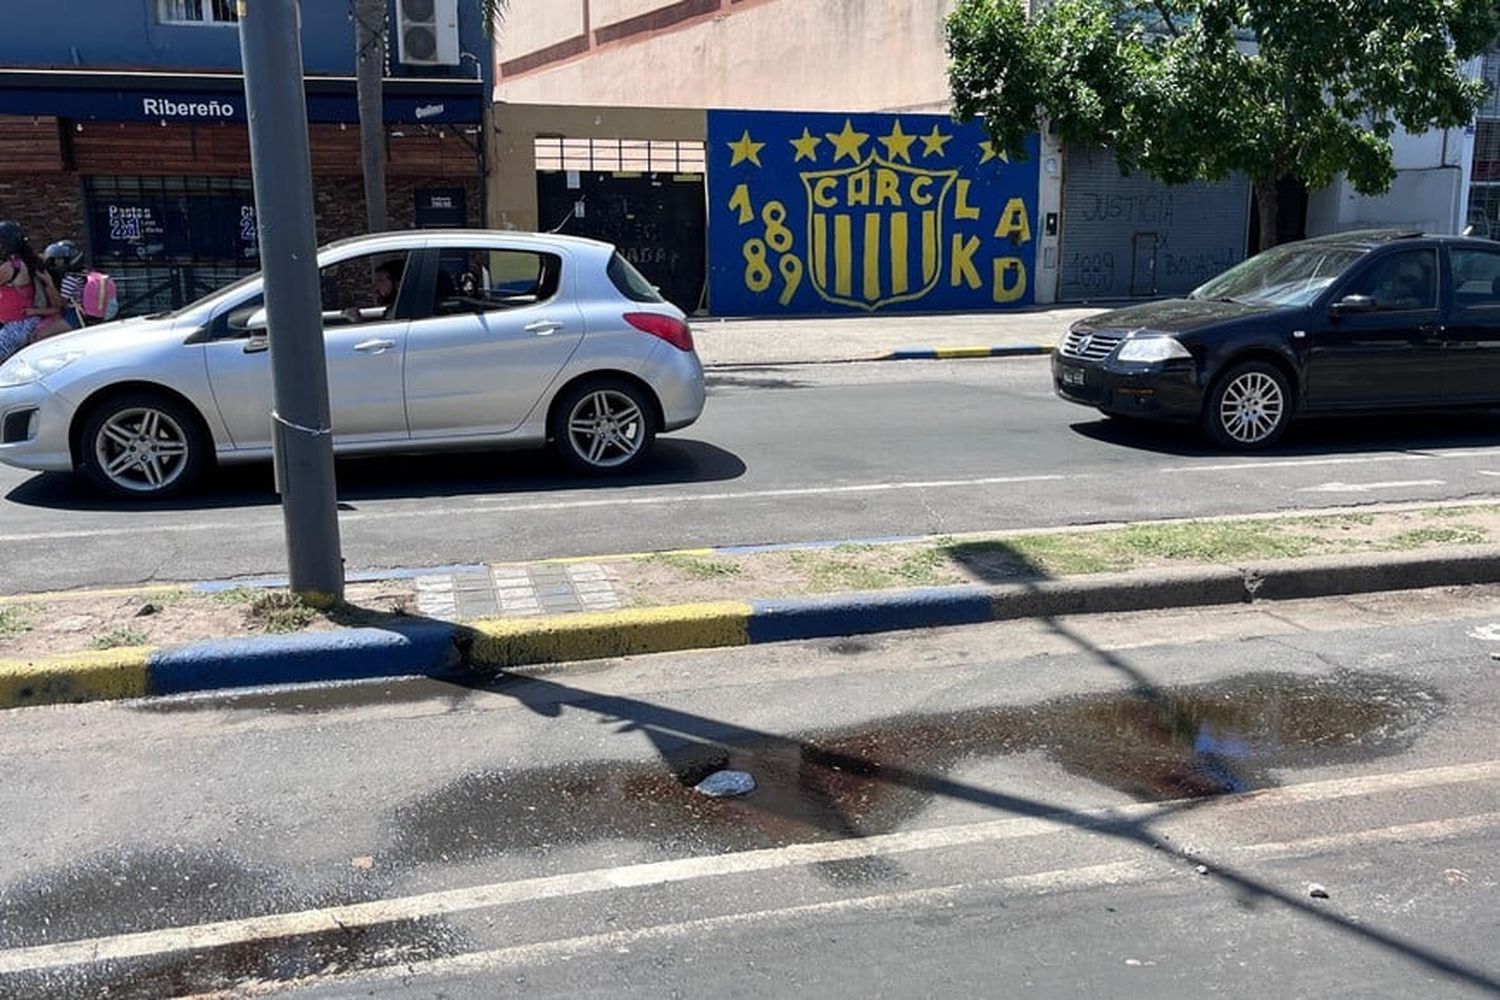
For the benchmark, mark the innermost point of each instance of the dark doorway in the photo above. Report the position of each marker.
(658, 221)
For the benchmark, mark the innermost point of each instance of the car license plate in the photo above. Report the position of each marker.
(1072, 376)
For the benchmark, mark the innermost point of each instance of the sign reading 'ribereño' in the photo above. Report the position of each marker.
(166, 107)
(861, 213)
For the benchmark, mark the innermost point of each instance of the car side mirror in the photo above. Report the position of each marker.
(1351, 305)
(255, 323)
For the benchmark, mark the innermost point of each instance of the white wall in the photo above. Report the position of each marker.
(796, 55)
(1427, 193)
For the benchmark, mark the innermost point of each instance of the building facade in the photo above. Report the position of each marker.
(1115, 236)
(131, 138)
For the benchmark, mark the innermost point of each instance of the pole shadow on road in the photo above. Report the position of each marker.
(1178, 746)
(1411, 432)
(674, 461)
(1175, 746)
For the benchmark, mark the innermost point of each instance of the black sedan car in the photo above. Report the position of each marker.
(1353, 322)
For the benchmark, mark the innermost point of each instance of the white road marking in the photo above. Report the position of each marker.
(791, 491)
(433, 904)
(503, 505)
(1292, 463)
(1390, 484)
(662, 497)
(1091, 876)
(1487, 472)
(1117, 873)
(1486, 633)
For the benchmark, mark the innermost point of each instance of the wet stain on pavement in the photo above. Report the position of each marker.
(1153, 745)
(317, 699)
(126, 891)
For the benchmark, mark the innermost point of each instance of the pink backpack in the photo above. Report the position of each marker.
(100, 299)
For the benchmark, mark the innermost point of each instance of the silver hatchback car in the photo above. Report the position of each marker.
(436, 340)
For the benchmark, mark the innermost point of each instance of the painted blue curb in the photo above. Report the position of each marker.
(949, 354)
(346, 655)
(853, 614)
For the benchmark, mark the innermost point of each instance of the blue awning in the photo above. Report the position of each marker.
(165, 97)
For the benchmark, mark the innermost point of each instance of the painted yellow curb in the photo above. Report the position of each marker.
(93, 676)
(601, 634)
(963, 352)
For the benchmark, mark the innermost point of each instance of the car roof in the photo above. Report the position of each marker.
(408, 238)
(1372, 239)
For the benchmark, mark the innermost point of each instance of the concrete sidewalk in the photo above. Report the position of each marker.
(723, 342)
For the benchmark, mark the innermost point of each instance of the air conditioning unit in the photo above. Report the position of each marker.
(427, 32)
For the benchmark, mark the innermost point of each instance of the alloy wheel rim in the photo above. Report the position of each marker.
(1252, 407)
(141, 449)
(606, 428)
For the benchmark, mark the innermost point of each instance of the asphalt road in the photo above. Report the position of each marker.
(1024, 807)
(799, 453)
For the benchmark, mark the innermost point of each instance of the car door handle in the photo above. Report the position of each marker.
(1431, 329)
(376, 346)
(543, 327)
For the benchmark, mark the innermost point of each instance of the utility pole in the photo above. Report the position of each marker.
(276, 104)
(369, 81)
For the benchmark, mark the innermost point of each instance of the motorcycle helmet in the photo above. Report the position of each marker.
(12, 238)
(64, 255)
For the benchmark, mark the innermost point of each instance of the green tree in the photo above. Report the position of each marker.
(1195, 89)
(370, 47)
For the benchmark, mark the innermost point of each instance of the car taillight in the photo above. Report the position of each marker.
(674, 331)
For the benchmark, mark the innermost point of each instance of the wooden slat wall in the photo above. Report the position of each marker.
(224, 150)
(29, 145)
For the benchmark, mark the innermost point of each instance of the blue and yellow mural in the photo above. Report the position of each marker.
(835, 213)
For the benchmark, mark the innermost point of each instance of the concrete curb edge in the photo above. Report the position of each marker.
(479, 649)
(952, 353)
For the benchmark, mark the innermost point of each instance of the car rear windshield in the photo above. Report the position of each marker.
(1282, 276)
(631, 283)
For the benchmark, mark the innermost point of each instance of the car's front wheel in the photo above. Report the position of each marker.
(143, 445)
(603, 426)
(1249, 407)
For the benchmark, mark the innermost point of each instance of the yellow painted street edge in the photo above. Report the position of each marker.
(963, 352)
(596, 635)
(97, 675)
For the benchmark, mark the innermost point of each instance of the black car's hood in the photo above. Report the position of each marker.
(1169, 316)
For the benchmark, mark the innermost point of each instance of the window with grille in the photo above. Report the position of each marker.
(196, 12)
(646, 155)
(170, 240)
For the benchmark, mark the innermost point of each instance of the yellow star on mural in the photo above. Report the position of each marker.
(807, 147)
(848, 142)
(990, 153)
(933, 142)
(898, 143)
(744, 149)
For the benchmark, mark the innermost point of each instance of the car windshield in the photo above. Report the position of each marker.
(1282, 276)
(213, 297)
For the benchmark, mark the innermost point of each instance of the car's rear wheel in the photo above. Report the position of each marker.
(1249, 407)
(603, 426)
(143, 445)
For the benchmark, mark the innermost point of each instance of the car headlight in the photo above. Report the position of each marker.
(22, 370)
(1152, 349)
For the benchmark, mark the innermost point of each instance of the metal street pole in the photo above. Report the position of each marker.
(271, 48)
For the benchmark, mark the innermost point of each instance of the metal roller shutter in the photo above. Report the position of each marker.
(1132, 237)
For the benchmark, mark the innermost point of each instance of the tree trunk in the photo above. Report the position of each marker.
(369, 49)
(1268, 207)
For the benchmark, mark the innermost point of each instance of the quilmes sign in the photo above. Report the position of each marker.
(859, 213)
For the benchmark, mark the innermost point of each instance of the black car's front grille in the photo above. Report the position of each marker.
(1090, 346)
